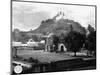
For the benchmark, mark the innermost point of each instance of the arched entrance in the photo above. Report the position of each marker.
(61, 47)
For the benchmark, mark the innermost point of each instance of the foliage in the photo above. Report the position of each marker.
(90, 28)
(90, 43)
(55, 42)
(75, 41)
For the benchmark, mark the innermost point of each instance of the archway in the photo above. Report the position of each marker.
(61, 47)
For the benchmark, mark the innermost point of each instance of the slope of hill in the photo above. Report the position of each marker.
(59, 26)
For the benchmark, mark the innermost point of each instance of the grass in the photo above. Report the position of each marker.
(49, 56)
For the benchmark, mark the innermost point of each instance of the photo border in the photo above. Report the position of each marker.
(95, 6)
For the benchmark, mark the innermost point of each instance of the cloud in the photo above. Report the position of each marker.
(25, 18)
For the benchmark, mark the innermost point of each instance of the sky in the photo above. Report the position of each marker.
(28, 15)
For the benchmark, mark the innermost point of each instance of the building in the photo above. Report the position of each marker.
(31, 42)
(50, 46)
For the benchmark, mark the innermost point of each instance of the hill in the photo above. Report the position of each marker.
(59, 25)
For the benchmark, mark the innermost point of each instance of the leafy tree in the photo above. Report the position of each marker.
(90, 28)
(35, 37)
(23, 37)
(90, 43)
(55, 42)
(16, 35)
(75, 41)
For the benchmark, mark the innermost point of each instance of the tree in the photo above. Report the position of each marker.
(90, 43)
(35, 37)
(75, 41)
(24, 37)
(90, 28)
(55, 42)
(16, 35)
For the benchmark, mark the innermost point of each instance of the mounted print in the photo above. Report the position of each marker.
(52, 37)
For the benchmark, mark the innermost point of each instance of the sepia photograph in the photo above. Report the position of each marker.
(52, 37)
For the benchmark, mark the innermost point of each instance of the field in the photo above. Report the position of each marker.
(47, 56)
